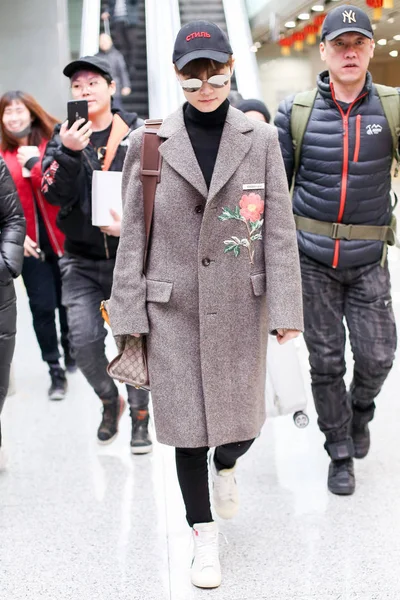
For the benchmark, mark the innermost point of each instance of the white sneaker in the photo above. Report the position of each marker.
(205, 570)
(225, 492)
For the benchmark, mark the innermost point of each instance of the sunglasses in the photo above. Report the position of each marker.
(216, 81)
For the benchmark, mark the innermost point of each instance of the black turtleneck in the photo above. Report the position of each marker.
(205, 130)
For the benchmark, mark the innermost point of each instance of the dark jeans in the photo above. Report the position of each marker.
(361, 296)
(124, 37)
(42, 280)
(85, 283)
(192, 469)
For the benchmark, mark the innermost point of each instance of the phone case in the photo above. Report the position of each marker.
(77, 109)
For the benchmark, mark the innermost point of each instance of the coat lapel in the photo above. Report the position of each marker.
(178, 151)
(235, 143)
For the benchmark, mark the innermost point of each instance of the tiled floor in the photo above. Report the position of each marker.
(79, 521)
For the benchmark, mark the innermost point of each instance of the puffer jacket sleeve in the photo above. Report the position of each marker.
(12, 227)
(282, 122)
(61, 169)
(127, 309)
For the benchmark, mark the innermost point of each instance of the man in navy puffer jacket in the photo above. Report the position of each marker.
(344, 176)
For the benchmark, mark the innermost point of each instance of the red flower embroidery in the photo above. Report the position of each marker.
(251, 207)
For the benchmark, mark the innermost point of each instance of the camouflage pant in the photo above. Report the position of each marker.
(361, 295)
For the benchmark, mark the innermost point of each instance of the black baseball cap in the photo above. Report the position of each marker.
(345, 19)
(200, 39)
(88, 63)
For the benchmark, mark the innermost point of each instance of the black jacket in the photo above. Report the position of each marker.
(331, 186)
(67, 182)
(12, 229)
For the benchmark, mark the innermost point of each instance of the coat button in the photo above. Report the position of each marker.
(206, 262)
(199, 209)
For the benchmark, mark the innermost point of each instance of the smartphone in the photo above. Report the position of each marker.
(77, 109)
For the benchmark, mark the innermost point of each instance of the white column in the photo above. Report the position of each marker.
(162, 24)
(90, 27)
(246, 69)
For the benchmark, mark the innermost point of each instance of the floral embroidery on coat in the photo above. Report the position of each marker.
(249, 211)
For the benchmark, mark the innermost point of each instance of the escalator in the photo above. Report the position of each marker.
(138, 100)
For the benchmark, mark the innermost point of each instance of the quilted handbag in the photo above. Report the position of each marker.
(130, 364)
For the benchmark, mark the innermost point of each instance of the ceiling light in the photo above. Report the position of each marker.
(318, 8)
(394, 53)
(253, 48)
(304, 16)
(290, 24)
(382, 42)
(390, 20)
(258, 44)
(374, 26)
(397, 38)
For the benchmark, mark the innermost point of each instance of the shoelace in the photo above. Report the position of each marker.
(207, 549)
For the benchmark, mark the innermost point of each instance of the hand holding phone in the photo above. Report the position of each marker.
(76, 137)
(77, 110)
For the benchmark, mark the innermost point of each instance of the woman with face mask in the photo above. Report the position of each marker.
(222, 272)
(25, 129)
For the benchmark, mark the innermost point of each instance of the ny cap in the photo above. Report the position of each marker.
(88, 63)
(200, 39)
(345, 19)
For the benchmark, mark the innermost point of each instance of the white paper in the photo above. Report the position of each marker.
(106, 194)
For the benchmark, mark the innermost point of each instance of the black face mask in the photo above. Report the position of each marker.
(21, 134)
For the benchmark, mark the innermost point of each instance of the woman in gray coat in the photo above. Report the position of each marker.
(222, 272)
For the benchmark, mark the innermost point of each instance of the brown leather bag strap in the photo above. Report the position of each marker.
(150, 173)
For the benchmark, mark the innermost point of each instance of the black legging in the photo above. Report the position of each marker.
(192, 469)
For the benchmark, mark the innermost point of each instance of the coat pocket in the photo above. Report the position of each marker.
(158, 291)
(259, 283)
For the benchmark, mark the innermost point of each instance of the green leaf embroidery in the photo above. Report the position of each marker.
(236, 251)
(256, 237)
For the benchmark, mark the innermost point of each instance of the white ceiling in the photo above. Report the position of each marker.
(287, 11)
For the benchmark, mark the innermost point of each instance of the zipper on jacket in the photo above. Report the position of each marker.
(345, 168)
(358, 139)
(48, 225)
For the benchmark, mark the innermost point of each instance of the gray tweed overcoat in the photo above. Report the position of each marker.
(223, 272)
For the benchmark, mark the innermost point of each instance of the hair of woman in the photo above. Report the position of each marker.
(42, 122)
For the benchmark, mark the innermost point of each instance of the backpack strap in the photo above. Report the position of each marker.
(390, 100)
(301, 110)
(150, 172)
(119, 130)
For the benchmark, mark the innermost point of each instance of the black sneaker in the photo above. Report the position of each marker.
(341, 478)
(140, 440)
(58, 386)
(361, 440)
(112, 412)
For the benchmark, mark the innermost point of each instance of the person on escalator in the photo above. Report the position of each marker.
(338, 144)
(123, 16)
(88, 264)
(118, 68)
